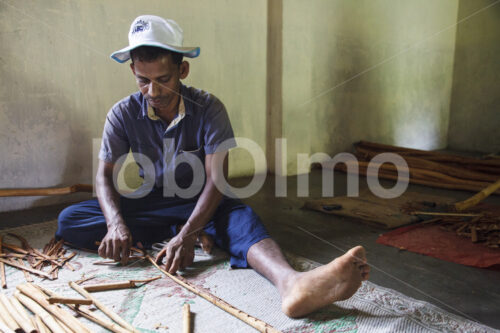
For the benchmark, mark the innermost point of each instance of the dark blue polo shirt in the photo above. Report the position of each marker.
(198, 131)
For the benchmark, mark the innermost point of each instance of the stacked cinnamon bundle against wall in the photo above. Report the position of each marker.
(33, 261)
(442, 170)
(431, 168)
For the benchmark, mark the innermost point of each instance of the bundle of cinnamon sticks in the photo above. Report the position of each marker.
(33, 261)
(430, 168)
(51, 317)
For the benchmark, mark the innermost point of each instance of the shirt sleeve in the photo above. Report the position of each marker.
(114, 139)
(218, 130)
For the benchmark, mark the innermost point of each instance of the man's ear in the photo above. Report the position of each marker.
(184, 70)
(132, 67)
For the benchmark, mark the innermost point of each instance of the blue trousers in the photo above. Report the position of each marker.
(234, 227)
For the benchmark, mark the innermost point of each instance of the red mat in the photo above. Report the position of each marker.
(432, 241)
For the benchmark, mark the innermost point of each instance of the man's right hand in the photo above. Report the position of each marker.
(116, 244)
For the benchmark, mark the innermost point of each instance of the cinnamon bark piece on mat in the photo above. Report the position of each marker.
(89, 314)
(186, 318)
(256, 323)
(7, 318)
(64, 316)
(23, 322)
(34, 307)
(102, 307)
(31, 270)
(117, 285)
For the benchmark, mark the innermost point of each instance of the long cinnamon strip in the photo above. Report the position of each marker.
(88, 314)
(474, 200)
(116, 285)
(31, 270)
(7, 318)
(102, 307)
(24, 323)
(40, 311)
(65, 317)
(22, 192)
(3, 279)
(65, 300)
(258, 324)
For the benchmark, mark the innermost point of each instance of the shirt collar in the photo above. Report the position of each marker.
(147, 110)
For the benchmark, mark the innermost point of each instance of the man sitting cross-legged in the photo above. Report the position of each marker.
(166, 122)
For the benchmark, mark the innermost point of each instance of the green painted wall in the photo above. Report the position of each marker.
(57, 81)
(380, 70)
(475, 106)
(376, 70)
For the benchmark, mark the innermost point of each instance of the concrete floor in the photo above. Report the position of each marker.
(467, 291)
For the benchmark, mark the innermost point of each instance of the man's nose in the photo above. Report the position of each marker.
(154, 89)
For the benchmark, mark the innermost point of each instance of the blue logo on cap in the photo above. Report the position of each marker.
(140, 26)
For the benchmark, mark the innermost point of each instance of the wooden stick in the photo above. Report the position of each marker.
(14, 248)
(12, 255)
(445, 214)
(24, 323)
(83, 279)
(62, 315)
(3, 279)
(102, 307)
(65, 300)
(8, 319)
(40, 325)
(46, 191)
(117, 285)
(89, 315)
(31, 270)
(100, 321)
(250, 320)
(474, 200)
(186, 318)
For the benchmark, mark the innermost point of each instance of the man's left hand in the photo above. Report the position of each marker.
(178, 253)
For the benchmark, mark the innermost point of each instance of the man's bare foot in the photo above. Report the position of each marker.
(335, 281)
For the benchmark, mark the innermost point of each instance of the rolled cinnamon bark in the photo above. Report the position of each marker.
(23, 322)
(40, 311)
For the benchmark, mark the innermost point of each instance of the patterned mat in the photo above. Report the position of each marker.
(157, 307)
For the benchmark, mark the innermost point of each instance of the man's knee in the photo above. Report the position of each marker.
(79, 224)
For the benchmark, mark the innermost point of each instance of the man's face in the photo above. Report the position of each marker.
(158, 80)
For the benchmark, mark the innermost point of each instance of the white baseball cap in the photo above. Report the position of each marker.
(151, 30)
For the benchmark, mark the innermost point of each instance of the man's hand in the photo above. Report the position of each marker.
(178, 253)
(116, 244)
